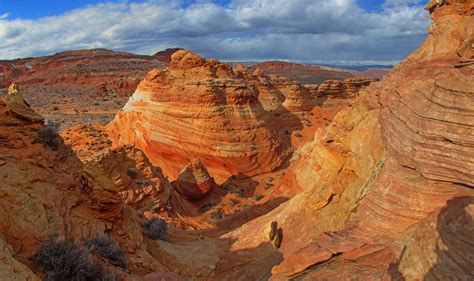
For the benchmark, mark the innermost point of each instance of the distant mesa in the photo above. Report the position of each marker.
(165, 55)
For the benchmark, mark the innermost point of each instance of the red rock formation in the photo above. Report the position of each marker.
(387, 189)
(199, 109)
(194, 181)
(68, 82)
(165, 55)
(304, 73)
(47, 192)
(138, 183)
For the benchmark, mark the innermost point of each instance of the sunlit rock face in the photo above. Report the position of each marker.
(387, 189)
(199, 108)
(194, 181)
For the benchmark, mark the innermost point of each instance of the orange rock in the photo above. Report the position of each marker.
(194, 182)
(199, 109)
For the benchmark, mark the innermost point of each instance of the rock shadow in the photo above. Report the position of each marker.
(455, 226)
(248, 263)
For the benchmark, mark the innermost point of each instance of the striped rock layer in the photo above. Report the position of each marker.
(199, 109)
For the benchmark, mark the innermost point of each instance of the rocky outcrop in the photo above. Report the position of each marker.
(165, 55)
(387, 188)
(65, 85)
(303, 73)
(336, 93)
(138, 183)
(16, 104)
(199, 109)
(194, 181)
(47, 193)
(298, 99)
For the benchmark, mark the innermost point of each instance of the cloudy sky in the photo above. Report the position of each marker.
(313, 31)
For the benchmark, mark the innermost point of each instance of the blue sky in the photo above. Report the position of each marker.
(31, 9)
(328, 31)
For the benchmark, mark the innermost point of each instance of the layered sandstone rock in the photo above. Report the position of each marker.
(194, 181)
(387, 189)
(303, 73)
(16, 105)
(138, 183)
(298, 98)
(199, 109)
(47, 193)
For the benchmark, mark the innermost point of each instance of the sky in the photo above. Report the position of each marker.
(311, 31)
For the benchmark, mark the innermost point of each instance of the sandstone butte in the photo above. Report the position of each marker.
(203, 109)
(384, 192)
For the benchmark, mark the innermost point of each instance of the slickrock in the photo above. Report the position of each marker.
(10, 267)
(194, 181)
(199, 109)
(47, 192)
(16, 104)
(353, 85)
(388, 187)
(336, 93)
(138, 183)
(298, 99)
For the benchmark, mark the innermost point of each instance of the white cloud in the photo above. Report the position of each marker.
(4, 15)
(305, 30)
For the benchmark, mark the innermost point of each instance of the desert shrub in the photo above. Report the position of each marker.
(216, 216)
(267, 185)
(133, 173)
(66, 260)
(155, 229)
(142, 182)
(206, 207)
(49, 136)
(108, 249)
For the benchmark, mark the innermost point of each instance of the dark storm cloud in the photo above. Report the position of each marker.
(304, 30)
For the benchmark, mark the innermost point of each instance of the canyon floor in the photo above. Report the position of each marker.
(195, 169)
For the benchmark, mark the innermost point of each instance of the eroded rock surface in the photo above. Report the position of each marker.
(199, 109)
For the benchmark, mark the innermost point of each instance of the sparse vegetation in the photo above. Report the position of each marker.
(268, 184)
(142, 182)
(155, 229)
(66, 260)
(108, 249)
(206, 207)
(216, 216)
(298, 135)
(132, 172)
(49, 136)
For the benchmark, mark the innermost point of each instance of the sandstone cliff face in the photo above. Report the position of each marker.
(387, 189)
(199, 109)
(46, 192)
(138, 183)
